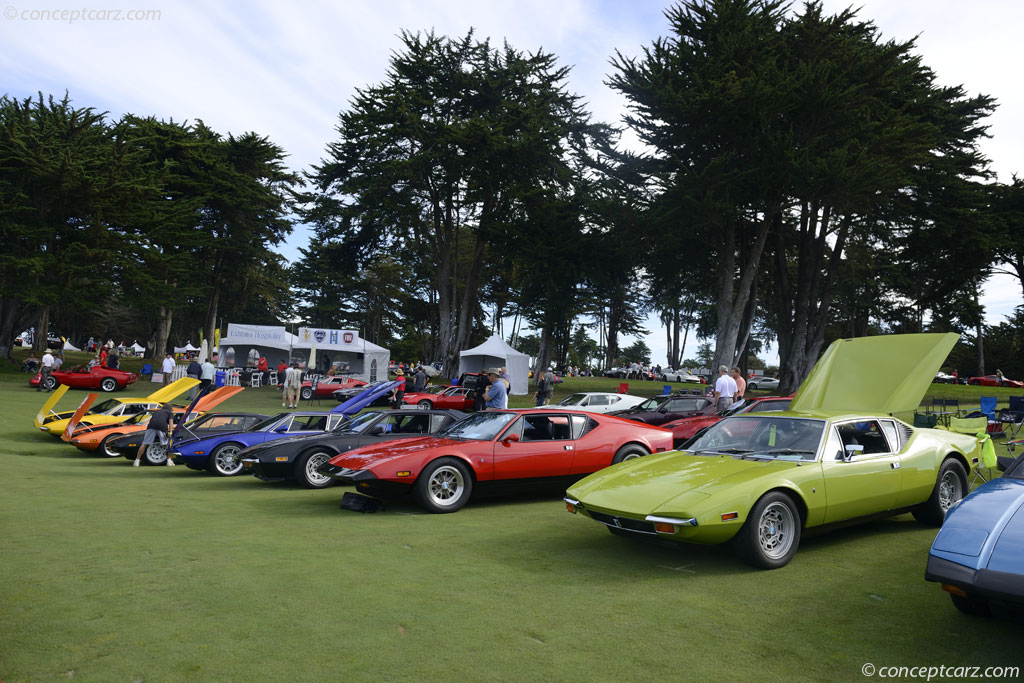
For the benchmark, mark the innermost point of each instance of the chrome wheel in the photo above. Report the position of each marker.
(950, 489)
(775, 530)
(156, 454)
(311, 471)
(108, 384)
(445, 486)
(226, 462)
(107, 448)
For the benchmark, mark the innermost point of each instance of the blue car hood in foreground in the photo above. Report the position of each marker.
(986, 529)
(363, 399)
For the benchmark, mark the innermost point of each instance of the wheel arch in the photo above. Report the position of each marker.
(641, 444)
(960, 458)
(794, 494)
(468, 462)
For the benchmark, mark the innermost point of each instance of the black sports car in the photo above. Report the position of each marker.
(661, 409)
(207, 425)
(342, 395)
(299, 457)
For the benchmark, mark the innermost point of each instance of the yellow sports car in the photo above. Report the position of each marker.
(111, 411)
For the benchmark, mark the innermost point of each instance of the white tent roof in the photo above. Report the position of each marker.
(138, 348)
(68, 346)
(189, 347)
(495, 352)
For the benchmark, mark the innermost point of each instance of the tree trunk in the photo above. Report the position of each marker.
(733, 295)
(41, 342)
(979, 329)
(14, 316)
(163, 331)
(211, 318)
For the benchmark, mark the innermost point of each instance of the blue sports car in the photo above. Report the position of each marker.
(978, 555)
(219, 453)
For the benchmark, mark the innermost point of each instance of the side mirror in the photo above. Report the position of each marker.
(849, 451)
(281, 429)
(511, 438)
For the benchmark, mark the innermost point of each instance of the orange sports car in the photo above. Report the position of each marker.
(99, 437)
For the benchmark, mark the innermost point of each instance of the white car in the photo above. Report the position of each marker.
(601, 402)
(671, 375)
(762, 382)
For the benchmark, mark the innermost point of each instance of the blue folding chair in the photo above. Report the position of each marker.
(666, 389)
(988, 407)
(147, 369)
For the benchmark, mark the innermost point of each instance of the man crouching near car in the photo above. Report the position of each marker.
(158, 429)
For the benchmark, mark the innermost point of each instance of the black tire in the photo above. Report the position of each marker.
(223, 461)
(771, 535)
(971, 605)
(629, 452)
(105, 449)
(306, 393)
(1005, 385)
(306, 469)
(752, 387)
(444, 485)
(49, 384)
(950, 487)
(974, 383)
(425, 404)
(156, 454)
(108, 384)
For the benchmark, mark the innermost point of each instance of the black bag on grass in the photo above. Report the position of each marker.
(360, 503)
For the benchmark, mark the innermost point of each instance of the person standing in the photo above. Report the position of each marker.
(292, 386)
(103, 356)
(545, 383)
(112, 362)
(725, 389)
(45, 370)
(58, 361)
(419, 380)
(496, 395)
(741, 384)
(207, 372)
(398, 393)
(167, 368)
(158, 429)
(262, 365)
(480, 388)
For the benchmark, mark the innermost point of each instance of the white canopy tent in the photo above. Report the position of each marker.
(493, 353)
(244, 343)
(138, 348)
(366, 360)
(68, 346)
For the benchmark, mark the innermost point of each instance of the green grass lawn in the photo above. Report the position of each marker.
(118, 574)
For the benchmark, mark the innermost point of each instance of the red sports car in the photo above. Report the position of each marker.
(995, 381)
(84, 377)
(684, 429)
(447, 398)
(327, 386)
(496, 447)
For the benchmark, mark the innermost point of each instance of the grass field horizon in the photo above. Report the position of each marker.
(152, 574)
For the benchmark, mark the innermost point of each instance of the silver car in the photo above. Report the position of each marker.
(671, 375)
(762, 382)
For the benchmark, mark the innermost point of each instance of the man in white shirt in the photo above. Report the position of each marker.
(292, 386)
(206, 378)
(45, 370)
(168, 367)
(725, 389)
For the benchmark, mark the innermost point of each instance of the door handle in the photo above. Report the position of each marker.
(894, 465)
(568, 448)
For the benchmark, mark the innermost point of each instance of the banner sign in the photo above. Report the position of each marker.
(257, 334)
(341, 340)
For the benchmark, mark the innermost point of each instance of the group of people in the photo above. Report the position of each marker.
(729, 387)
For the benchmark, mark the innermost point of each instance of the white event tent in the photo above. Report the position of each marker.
(245, 342)
(367, 361)
(494, 353)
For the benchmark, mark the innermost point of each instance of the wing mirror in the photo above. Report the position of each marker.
(281, 429)
(511, 438)
(849, 451)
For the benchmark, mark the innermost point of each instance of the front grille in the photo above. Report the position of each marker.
(623, 523)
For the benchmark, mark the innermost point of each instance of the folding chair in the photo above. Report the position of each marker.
(987, 460)
(1014, 417)
(147, 369)
(256, 380)
(666, 389)
(968, 425)
(272, 378)
(623, 388)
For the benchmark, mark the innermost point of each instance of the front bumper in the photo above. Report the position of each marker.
(345, 475)
(987, 583)
(651, 525)
(267, 471)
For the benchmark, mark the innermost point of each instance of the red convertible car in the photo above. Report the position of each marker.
(493, 448)
(84, 377)
(444, 398)
(995, 381)
(684, 429)
(327, 386)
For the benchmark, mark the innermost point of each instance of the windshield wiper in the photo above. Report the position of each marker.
(727, 451)
(785, 451)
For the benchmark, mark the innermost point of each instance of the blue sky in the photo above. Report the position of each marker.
(286, 70)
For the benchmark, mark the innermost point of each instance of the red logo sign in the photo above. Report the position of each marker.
(348, 337)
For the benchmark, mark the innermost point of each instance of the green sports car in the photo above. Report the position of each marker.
(837, 455)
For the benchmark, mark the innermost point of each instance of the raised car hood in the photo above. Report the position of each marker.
(644, 485)
(172, 390)
(363, 399)
(215, 398)
(885, 374)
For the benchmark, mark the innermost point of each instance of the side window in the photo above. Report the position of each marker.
(579, 423)
(217, 422)
(334, 420)
(598, 400)
(889, 429)
(247, 422)
(385, 425)
(413, 424)
(307, 423)
(866, 433)
(438, 422)
(546, 428)
(680, 405)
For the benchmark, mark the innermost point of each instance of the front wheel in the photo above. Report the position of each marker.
(770, 536)
(306, 393)
(307, 470)
(156, 454)
(971, 605)
(629, 452)
(50, 383)
(1005, 385)
(443, 486)
(425, 404)
(108, 384)
(950, 486)
(224, 461)
(106, 446)
(974, 383)
(752, 387)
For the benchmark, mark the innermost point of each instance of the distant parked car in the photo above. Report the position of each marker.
(84, 377)
(761, 382)
(674, 407)
(326, 386)
(995, 381)
(944, 378)
(670, 375)
(600, 402)
(452, 398)
(619, 373)
(683, 430)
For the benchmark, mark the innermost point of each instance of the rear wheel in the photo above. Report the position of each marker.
(443, 486)
(974, 383)
(1005, 385)
(224, 461)
(108, 384)
(950, 486)
(156, 454)
(50, 383)
(307, 468)
(770, 536)
(752, 386)
(629, 452)
(425, 404)
(106, 447)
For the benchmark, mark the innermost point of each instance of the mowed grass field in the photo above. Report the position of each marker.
(112, 573)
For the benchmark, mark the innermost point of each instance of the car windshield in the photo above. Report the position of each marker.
(268, 423)
(105, 405)
(652, 403)
(479, 426)
(358, 423)
(780, 438)
(572, 400)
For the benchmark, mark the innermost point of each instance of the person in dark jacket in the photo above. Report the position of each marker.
(482, 383)
(158, 430)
